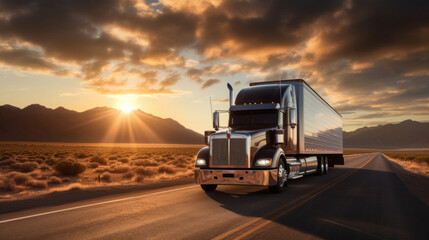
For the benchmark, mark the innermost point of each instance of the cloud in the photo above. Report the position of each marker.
(170, 80)
(210, 82)
(103, 82)
(30, 60)
(137, 91)
(94, 69)
(365, 57)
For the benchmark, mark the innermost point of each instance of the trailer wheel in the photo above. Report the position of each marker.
(209, 187)
(281, 179)
(320, 165)
(326, 165)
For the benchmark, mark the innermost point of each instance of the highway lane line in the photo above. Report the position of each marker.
(351, 228)
(268, 221)
(93, 204)
(310, 194)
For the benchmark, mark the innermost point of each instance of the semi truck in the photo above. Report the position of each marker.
(277, 131)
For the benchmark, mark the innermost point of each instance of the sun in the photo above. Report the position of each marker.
(126, 107)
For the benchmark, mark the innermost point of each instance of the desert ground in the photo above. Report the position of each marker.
(32, 169)
(29, 169)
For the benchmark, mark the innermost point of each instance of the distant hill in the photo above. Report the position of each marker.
(101, 124)
(406, 134)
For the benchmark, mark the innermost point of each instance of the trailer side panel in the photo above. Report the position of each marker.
(321, 126)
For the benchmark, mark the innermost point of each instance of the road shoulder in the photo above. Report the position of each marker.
(417, 184)
(73, 196)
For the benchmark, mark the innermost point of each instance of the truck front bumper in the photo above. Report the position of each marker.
(236, 177)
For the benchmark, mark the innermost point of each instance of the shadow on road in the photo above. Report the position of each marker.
(367, 205)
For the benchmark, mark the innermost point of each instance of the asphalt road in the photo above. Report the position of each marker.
(368, 198)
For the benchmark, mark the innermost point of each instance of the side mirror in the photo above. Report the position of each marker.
(292, 114)
(207, 136)
(216, 120)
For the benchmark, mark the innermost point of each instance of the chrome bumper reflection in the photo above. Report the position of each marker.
(236, 177)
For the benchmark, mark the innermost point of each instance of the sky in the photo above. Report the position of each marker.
(368, 59)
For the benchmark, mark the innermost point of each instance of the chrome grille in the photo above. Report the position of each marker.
(220, 152)
(238, 152)
(232, 152)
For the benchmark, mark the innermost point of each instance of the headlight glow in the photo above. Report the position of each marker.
(200, 162)
(263, 162)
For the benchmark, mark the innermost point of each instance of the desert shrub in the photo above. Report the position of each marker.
(128, 175)
(166, 169)
(181, 165)
(145, 162)
(54, 180)
(60, 155)
(25, 167)
(69, 168)
(8, 185)
(39, 161)
(422, 159)
(118, 169)
(21, 178)
(100, 170)
(113, 158)
(37, 184)
(139, 178)
(51, 161)
(66, 179)
(93, 165)
(142, 171)
(44, 167)
(99, 159)
(123, 160)
(2, 158)
(80, 155)
(105, 177)
(34, 175)
(8, 162)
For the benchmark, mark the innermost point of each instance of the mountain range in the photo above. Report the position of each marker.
(406, 134)
(102, 124)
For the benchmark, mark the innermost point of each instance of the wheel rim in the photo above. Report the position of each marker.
(282, 175)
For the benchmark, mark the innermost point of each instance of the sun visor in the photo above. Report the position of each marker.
(248, 107)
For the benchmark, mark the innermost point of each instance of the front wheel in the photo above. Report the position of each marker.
(281, 179)
(209, 187)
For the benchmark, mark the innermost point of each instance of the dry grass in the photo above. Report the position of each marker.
(419, 157)
(37, 168)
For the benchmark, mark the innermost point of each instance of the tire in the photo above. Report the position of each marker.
(281, 179)
(326, 165)
(209, 187)
(320, 165)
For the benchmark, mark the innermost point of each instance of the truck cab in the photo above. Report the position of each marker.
(260, 145)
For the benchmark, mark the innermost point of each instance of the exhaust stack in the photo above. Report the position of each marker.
(231, 94)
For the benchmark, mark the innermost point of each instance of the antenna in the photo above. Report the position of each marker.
(280, 87)
(211, 108)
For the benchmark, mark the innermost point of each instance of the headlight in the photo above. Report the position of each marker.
(200, 162)
(263, 162)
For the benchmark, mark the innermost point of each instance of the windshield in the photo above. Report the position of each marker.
(251, 120)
